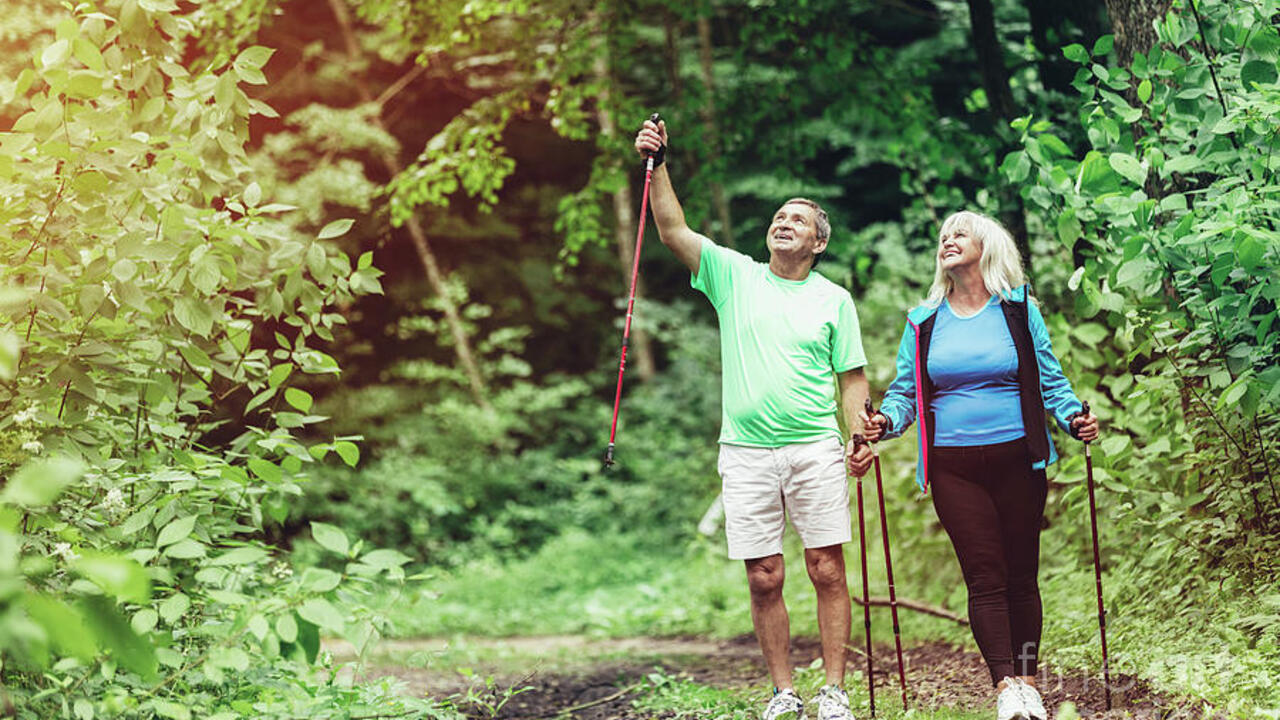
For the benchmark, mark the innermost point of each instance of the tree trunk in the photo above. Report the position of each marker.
(709, 125)
(995, 76)
(995, 80)
(461, 343)
(1132, 22)
(1056, 24)
(671, 55)
(624, 220)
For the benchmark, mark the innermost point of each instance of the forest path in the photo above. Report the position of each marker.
(598, 678)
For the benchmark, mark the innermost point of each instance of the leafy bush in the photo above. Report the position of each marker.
(155, 312)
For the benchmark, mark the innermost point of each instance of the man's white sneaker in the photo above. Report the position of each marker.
(833, 704)
(1031, 700)
(1009, 703)
(785, 705)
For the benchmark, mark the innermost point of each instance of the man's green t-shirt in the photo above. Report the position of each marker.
(781, 344)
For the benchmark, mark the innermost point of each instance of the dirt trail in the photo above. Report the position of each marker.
(596, 679)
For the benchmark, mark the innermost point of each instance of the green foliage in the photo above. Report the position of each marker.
(152, 304)
(1169, 212)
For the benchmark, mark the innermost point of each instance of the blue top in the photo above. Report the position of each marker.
(902, 400)
(974, 368)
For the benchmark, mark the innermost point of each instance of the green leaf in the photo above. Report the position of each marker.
(337, 228)
(1128, 166)
(253, 194)
(55, 54)
(88, 53)
(1144, 90)
(322, 613)
(188, 549)
(119, 639)
(62, 624)
(1258, 71)
(1104, 45)
(265, 469)
(174, 607)
(385, 558)
(118, 576)
(279, 374)
(40, 482)
(1249, 251)
(1075, 52)
(300, 399)
(1090, 333)
(171, 710)
(1054, 144)
(176, 530)
(365, 261)
(194, 315)
(1096, 176)
(144, 621)
(287, 628)
(1069, 229)
(330, 537)
(1134, 274)
(255, 56)
(240, 556)
(348, 451)
(320, 580)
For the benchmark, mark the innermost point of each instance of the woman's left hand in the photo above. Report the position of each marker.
(1086, 427)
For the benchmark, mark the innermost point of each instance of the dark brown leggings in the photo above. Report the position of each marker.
(992, 504)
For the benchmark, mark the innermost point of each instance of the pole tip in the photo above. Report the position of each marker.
(608, 456)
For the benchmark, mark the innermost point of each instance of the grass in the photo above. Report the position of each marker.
(621, 586)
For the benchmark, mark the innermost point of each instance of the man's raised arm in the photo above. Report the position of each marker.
(667, 213)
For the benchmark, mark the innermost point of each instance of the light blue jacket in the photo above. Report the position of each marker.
(1042, 385)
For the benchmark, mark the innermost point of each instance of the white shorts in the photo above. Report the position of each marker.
(763, 486)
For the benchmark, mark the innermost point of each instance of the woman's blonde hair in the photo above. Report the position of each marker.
(1000, 265)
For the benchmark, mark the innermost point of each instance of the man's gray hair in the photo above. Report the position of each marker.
(823, 224)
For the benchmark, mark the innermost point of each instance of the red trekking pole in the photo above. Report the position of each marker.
(1097, 569)
(631, 300)
(866, 595)
(888, 566)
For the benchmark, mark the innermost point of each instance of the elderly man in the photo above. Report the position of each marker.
(787, 335)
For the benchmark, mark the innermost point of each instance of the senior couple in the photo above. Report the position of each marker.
(975, 373)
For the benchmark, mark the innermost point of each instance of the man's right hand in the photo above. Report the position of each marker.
(651, 138)
(873, 427)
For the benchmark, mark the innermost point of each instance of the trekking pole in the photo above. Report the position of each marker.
(1097, 568)
(631, 299)
(888, 565)
(866, 594)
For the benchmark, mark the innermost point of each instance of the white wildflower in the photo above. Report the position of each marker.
(64, 551)
(22, 417)
(35, 447)
(282, 570)
(114, 503)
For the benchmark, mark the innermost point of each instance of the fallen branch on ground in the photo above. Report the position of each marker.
(914, 605)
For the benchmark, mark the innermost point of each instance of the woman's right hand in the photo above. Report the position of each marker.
(874, 426)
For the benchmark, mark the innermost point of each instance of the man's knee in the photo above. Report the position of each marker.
(825, 566)
(765, 576)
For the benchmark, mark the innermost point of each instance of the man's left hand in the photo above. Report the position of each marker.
(858, 457)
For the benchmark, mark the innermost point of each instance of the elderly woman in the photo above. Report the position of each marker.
(976, 373)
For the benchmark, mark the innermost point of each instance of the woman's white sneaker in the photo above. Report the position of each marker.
(1009, 704)
(1031, 700)
(833, 704)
